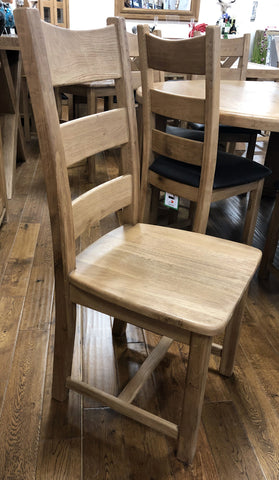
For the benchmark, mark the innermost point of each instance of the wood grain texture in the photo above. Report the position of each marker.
(230, 445)
(129, 247)
(22, 409)
(16, 277)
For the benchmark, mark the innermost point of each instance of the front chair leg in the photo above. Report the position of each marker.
(231, 339)
(199, 354)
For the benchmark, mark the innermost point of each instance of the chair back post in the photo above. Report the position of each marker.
(212, 102)
(29, 24)
(147, 81)
(125, 97)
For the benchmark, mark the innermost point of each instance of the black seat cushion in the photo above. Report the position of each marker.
(226, 129)
(231, 170)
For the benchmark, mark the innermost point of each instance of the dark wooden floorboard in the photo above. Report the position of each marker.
(81, 439)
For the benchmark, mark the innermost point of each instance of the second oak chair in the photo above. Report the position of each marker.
(185, 162)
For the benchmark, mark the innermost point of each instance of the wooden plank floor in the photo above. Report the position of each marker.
(81, 439)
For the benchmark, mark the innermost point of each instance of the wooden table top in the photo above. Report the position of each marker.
(262, 72)
(9, 42)
(249, 104)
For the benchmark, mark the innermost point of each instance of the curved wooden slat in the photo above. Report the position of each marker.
(96, 204)
(110, 129)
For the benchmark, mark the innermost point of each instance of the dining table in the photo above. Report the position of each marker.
(248, 104)
(261, 71)
(13, 143)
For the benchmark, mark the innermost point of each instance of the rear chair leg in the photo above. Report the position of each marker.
(65, 326)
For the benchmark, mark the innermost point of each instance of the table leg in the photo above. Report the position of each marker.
(272, 161)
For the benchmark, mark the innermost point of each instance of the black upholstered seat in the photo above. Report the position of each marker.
(230, 170)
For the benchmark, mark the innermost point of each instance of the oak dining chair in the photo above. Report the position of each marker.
(186, 162)
(170, 282)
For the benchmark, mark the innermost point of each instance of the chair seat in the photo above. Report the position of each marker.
(226, 129)
(114, 270)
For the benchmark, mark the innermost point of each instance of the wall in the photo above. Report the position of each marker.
(87, 14)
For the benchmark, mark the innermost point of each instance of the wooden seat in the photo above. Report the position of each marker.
(170, 282)
(234, 63)
(272, 238)
(185, 162)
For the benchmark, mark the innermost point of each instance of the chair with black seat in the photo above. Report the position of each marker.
(234, 64)
(185, 162)
(272, 238)
(168, 281)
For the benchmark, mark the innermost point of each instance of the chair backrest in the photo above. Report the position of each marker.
(54, 56)
(195, 56)
(234, 57)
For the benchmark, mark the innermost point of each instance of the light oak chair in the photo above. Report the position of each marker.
(234, 64)
(170, 282)
(185, 162)
(272, 238)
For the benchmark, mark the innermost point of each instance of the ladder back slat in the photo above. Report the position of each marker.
(99, 202)
(85, 46)
(179, 107)
(110, 128)
(173, 56)
(182, 149)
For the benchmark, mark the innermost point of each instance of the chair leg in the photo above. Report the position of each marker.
(252, 213)
(119, 327)
(65, 326)
(200, 348)
(272, 238)
(251, 147)
(231, 339)
(153, 214)
(230, 147)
